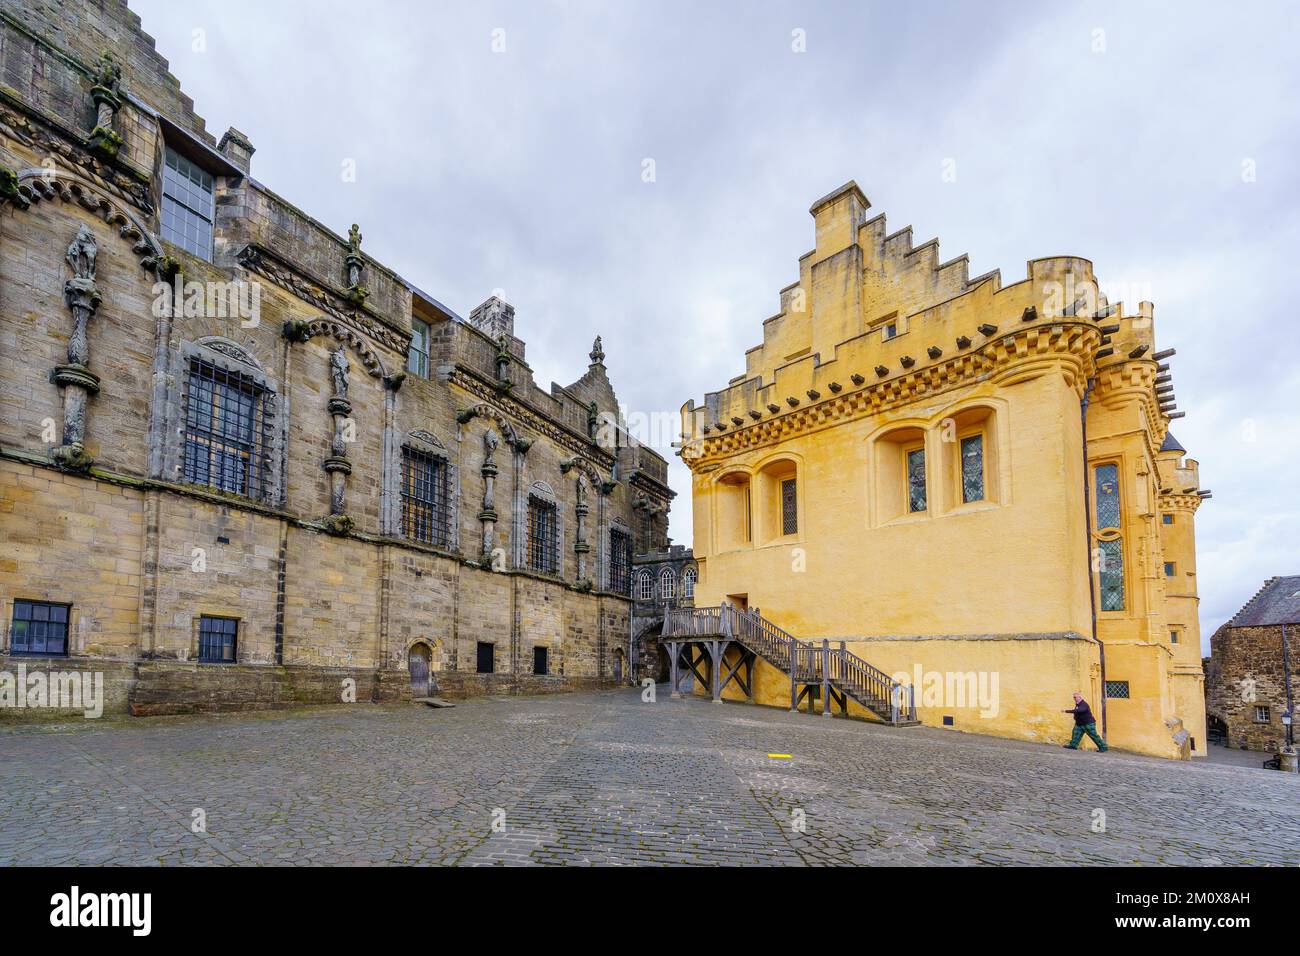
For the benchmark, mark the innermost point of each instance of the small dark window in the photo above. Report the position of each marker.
(1169, 569)
(972, 468)
(916, 480)
(486, 657)
(417, 356)
(426, 497)
(1262, 715)
(1173, 637)
(40, 628)
(789, 507)
(540, 662)
(1167, 519)
(947, 720)
(891, 331)
(1117, 689)
(543, 536)
(620, 565)
(217, 636)
(187, 203)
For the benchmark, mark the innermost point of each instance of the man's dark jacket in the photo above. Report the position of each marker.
(1083, 714)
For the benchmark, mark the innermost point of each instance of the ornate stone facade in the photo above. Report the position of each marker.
(261, 424)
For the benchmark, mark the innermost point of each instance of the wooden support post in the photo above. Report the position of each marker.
(826, 677)
(715, 669)
(673, 650)
(794, 680)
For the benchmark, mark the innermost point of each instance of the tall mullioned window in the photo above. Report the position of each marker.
(916, 498)
(620, 561)
(645, 586)
(688, 584)
(972, 468)
(426, 498)
(417, 356)
(543, 535)
(187, 204)
(40, 627)
(224, 426)
(1110, 549)
(667, 584)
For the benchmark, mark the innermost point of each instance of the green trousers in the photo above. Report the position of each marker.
(1091, 731)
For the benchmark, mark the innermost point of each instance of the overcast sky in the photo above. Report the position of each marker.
(1159, 141)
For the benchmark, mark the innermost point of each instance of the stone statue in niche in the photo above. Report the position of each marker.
(353, 258)
(110, 74)
(82, 252)
(339, 370)
(490, 443)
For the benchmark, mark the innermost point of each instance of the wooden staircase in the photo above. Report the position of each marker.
(834, 674)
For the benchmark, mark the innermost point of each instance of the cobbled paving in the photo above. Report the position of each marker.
(607, 779)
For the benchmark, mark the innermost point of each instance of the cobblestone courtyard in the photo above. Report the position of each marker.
(604, 778)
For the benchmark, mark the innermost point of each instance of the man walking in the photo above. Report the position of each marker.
(1084, 723)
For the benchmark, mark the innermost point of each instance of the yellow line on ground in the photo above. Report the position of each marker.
(782, 756)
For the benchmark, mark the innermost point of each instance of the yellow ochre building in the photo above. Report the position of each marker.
(971, 485)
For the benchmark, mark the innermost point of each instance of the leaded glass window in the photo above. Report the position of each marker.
(645, 588)
(426, 498)
(789, 507)
(224, 425)
(1117, 689)
(217, 637)
(688, 584)
(916, 480)
(1107, 482)
(187, 203)
(972, 468)
(620, 560)
(1110, 573)
(543, 535)
(40, 628)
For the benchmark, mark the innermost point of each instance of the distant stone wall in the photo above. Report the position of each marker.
(1246, 674)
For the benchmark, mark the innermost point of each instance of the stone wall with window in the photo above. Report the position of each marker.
(271, 438)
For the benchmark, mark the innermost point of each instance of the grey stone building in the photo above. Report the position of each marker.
(243, 464)
(1250, 682)
(661, 579)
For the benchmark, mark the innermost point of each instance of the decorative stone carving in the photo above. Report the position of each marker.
(597, 353)
(502, 361)
(488, 514)
(75, 378)
(339, 369)
(337, 465)
(105, 141)
(354, 268)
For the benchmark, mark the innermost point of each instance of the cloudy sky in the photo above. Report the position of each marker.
(503, 146)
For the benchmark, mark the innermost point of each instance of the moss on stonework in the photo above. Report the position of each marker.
(105, 142)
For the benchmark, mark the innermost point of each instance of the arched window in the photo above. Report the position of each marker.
(667, 584)
(645, 588)
(688, 584)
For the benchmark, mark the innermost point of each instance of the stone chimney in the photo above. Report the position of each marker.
(235, 147)
(494, 317)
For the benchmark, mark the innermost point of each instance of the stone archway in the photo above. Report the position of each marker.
(651, 659)
(419, 663)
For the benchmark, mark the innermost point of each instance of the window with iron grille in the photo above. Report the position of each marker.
(645, 587)
(789, 507)
(916, 500)
(225, 425)
(688, 584)
(40, 627)
(217, 636)
(1110, 574)
(972, 468)
(620, 561)
(667, 584)
(543, 535)
(426, 498)
(187, 203)
(417, 356)
(1117, 689)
